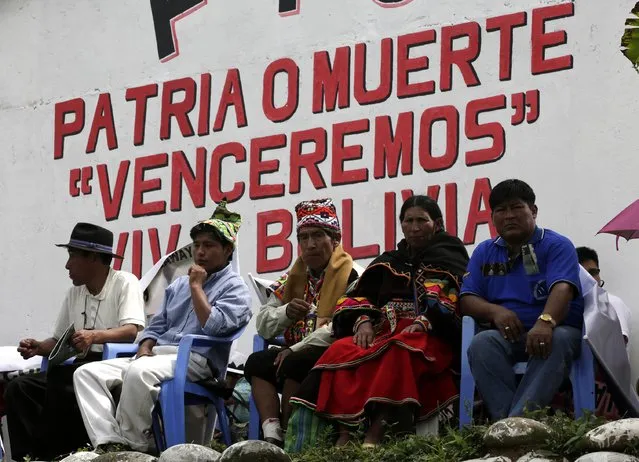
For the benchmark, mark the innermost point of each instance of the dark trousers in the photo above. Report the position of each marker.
(296, 366)
(492, 358)
(43, 416)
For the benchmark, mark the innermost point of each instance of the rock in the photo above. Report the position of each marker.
(613, 436)
(607, 457)
(125, 456)
(80, 456)
(516, 433)
(541, 456)
(254, 451)
(189, 453)
(490, 458)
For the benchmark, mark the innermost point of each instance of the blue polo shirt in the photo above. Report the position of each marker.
(523, 284)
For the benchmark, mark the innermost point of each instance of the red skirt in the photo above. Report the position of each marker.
(397, 369)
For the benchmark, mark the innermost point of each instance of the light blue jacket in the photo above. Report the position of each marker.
(230, 303)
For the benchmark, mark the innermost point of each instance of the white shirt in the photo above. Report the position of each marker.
(272, 321)
(120, 302)
(623, 313)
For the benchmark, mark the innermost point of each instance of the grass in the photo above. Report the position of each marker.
(454, 445)
(451, 445)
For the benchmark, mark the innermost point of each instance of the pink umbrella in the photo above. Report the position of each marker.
(625, 225)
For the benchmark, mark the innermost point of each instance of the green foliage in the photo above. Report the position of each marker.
(450, 446)
(454, 445)
(567, 432)
(630, 38)
(218, 446)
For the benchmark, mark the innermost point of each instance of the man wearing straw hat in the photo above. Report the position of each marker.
(211, 300)
(104, 305)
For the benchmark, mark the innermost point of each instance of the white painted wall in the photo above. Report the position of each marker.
(580, 156)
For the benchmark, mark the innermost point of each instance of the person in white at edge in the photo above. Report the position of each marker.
(211, 300)
(589, 259)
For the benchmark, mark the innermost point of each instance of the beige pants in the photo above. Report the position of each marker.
(129, 421)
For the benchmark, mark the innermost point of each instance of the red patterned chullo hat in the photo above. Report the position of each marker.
(319, 213)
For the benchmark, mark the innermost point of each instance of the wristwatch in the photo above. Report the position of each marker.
(547, 318)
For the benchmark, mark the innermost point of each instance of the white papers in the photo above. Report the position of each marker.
(10, 360)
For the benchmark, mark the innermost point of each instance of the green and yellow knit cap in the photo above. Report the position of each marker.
(227, 223)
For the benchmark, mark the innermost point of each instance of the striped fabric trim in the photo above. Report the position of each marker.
(10, 375)
(91, 245)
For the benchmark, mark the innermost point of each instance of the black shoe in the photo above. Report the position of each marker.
(275, 441)
(112, 447)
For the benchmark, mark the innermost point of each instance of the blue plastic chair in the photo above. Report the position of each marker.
(582, 377)
(259, 344)
(109, 351)
(175, 394)
(44, 365)
(119, 350)
(170, 437)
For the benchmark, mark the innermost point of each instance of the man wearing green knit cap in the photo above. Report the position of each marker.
(211, 300)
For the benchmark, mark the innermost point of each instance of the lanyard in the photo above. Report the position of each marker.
(84, 314)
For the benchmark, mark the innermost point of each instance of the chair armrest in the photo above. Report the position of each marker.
(119, 350)
(184, 351)
(192, 340)
(467, 384)
(259, 343)
(469, 329)
(44, 365)
(228, 339)
(279, 341)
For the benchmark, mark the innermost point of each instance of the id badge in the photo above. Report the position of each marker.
(529, 258)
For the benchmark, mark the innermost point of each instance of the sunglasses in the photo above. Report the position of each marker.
(594, 272)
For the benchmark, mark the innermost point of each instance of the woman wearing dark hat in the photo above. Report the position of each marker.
(104, 305)
(399, 332)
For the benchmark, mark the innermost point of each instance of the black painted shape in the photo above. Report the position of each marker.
(286, 6)
(163, 12)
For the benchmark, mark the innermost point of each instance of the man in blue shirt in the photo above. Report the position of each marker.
(212, 300)
(525, 285)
